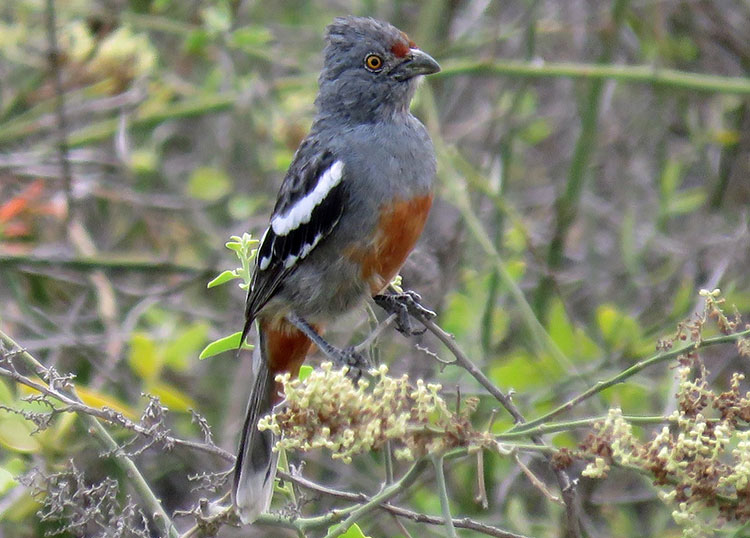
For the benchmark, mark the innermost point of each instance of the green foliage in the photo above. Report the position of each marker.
(228, 343)
(208, 184)
(245, 247)
(352, 532)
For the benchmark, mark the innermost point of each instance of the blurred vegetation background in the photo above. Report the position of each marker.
(594, 173)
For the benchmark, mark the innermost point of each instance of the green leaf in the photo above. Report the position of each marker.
(529, 103)
(217, 18)
(223, 278)
(99, 399)
(619, 331)
(304, 372)
(352, 532)
(536, 131)
(518, 371)
(15, 433)
(197, 41)
(560, 329)
(241, 207)
(180, 351)
(210, 184)
(637, 398)
(514, 238)
(683, 298)
(21, 509)
(572, 341)
(249, 37)
(143, 357)
(228, 343)
(6, 395)
(686, 201)
(236, 246)
(172, 397)
(144, 161)
(670, 179)
(6, 480)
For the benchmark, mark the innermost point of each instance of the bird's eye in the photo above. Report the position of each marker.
(373, 62)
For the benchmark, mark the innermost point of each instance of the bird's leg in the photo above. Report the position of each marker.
(403, 305)
(348, 357)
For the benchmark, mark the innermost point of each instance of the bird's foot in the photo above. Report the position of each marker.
(403, 305)
(349, 357)
(355, 362)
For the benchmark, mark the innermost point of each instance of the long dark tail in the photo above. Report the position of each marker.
(255, 468)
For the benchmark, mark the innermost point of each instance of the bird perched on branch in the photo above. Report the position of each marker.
(349, 211)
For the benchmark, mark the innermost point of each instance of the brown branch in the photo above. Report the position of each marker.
(567, 487)
(75, 405)
(462, 523)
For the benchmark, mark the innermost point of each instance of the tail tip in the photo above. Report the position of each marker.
(252, 493)
(250, 507)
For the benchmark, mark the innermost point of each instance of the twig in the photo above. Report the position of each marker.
(387, 493)
(644, 74)
(536, 482)
(74, 404)
(133, 474)
(86, 263)
(614, 380)
(481, 496)
(375, 334)
(543, 429)
(469, 366)
(100, 433)
(566, 486)
(437, 462)
(401, 527)
(462, 523)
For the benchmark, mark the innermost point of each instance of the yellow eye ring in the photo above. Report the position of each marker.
(373, 62)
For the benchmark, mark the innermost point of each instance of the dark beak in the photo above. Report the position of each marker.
(416, 63)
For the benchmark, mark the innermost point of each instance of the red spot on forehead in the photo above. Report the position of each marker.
(401, 47)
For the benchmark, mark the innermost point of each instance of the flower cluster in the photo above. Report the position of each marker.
(328, 410)
(701, 460)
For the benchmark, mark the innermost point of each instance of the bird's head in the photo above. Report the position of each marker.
(371, 69)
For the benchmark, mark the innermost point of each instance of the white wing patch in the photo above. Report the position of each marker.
(292, 259)
(301, 211)
(266, 260)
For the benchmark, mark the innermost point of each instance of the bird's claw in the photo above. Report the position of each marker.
(403, 305)
(355, 362)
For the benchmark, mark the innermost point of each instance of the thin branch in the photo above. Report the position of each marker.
(387, 493)
(75, 405)
(119, 263)
(481, 496)
(459, 523)
(95, 428)
(536, 482)
(133, 474)
(374, 334)
(625, 374)
(567, 425)
(644, 74)
(437, 462)
(567, 487)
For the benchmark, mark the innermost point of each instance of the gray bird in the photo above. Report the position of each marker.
(351, 207)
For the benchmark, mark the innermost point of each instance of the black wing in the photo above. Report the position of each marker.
(309, 205)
